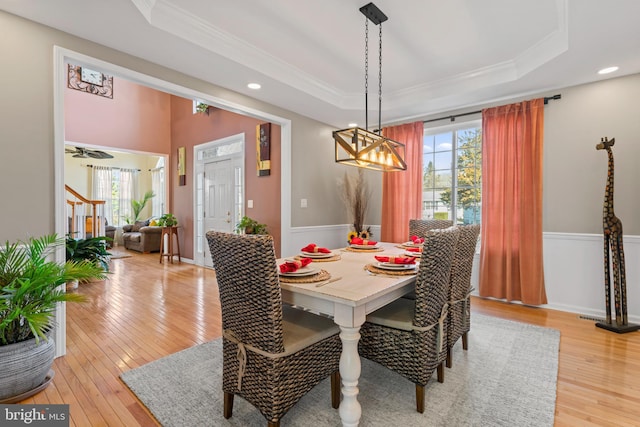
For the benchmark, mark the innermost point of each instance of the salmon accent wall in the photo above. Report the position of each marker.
(137, 118)
(189, 130)
(146, 120)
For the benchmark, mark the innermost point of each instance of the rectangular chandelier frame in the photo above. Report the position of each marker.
(361, 148)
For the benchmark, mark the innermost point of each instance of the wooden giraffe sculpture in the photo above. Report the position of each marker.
(612, 227)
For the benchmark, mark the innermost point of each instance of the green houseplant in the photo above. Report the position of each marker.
(250, 226)
(167, 220)
(30, 289)
(202, 108)
(93, 249)
(138, 205)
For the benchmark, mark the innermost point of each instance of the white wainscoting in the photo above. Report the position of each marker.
(328, 236)
(574, 273)
(573, 267)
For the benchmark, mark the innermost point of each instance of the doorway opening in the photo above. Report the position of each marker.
(63, 56)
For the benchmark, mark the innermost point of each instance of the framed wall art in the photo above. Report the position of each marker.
(263, 147)
(182, 166)
(91, 81)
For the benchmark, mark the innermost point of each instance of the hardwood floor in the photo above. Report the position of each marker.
(148, 310)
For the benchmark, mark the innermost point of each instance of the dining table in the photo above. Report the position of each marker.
(351, 288)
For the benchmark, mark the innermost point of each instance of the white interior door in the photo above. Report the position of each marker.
(218, 200)
(219, 173)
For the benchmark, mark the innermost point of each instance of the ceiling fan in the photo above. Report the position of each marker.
(85, 153)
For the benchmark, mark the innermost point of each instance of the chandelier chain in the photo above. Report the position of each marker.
(380, 82)
(366, 56)
(380, 65)
(366, 72)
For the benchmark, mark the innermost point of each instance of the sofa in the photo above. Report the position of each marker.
(142, 237)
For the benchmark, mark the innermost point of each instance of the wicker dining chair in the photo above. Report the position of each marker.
(272, 354)
(419, 227)
(459, 317)
(408, 336)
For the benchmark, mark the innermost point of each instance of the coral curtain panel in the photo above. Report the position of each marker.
(511, 264)
(402, 191)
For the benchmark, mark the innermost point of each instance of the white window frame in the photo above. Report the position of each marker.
(454, 129)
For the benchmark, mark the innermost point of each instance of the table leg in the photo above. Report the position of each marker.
(350, 410)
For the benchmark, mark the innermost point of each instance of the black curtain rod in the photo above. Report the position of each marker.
(453, 117)
(112, 167)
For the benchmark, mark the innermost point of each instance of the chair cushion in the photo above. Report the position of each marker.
(134, 237)
(398, 315)
(302, 329)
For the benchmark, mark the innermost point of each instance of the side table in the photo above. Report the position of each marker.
(169, 232)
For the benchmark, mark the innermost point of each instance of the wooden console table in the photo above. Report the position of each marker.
(169, 232)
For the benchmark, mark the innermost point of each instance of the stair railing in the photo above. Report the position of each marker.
(84, 215)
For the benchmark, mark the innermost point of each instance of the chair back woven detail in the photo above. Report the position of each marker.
(433, 279)
(419, 227)
(416, 354)
(250, 296)
(458, 321)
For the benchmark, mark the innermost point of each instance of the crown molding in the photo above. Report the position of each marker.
(167, 16)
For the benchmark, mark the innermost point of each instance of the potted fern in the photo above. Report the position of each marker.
(138, 205)
(93, 249)
(30, 290)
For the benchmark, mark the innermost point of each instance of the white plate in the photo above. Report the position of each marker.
(412, 245)
(413, 254)
(365, 246)
(301, 272)
(316, 254)
(391, 266)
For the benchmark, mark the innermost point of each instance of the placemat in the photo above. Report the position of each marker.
(321, 276)
(375, 270)
(404, 246)
(329, 259)
(350, 249)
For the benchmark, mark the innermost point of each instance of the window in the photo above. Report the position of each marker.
(452, 173)
(158, 186)
(124, 184)
(116, 187)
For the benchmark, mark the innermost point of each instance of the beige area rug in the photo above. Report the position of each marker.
(507, 378)
(118, 252)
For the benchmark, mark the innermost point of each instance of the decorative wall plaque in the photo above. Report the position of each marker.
(87, 80)
(182, 166)
(263, 148)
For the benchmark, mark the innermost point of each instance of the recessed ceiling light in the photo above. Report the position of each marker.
(254, 86)
(352, 125)
(608, 70)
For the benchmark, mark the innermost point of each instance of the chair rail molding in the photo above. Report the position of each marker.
(574, 273)
(573, 268)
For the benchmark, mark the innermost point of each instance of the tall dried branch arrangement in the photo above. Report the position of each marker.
(356, 194)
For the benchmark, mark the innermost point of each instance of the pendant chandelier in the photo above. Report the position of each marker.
(360, 147)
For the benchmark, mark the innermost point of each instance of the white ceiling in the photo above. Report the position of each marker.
(309, 56)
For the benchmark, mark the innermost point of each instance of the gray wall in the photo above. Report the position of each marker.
(27, 134)
(574, 171)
